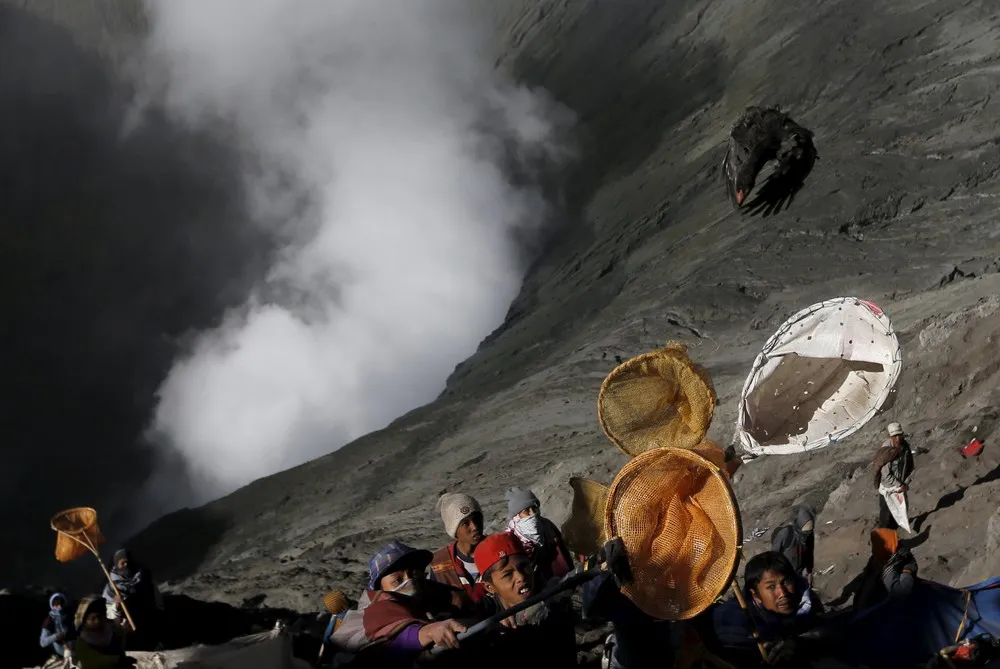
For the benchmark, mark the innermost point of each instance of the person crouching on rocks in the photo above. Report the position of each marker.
(544, 632)
(408, 613)
(57, 630)
(99, 643)
(540, 537)
(454, 564)
(796, 541)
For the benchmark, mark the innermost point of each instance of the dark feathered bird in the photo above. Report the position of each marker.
(759, 136)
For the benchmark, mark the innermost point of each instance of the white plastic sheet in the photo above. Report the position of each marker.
(824, 374)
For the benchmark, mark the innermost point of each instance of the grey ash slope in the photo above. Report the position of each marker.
(900, 99)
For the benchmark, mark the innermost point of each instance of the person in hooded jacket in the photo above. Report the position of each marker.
(796, 541)
(57, 630)
(541, 539)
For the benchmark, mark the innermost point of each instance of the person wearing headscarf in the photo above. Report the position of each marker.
(796, 541)
(138, 592)
(454, 564)
(541, 538)
(57, 630)
(100, 642)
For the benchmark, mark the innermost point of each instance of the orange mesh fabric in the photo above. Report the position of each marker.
(678, 518)
(657, 399)
(76, 528)
(335, 602)
(584, 531)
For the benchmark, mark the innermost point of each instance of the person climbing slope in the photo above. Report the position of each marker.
(541, 539)
(891, 571)
(780, 606)
(138, 591)
(408, 613)
(454, 564)
(543, 632)
(796, 541)
(893, 466)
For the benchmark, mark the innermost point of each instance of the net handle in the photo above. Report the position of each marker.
(89, 545)
(568, 583)
(743, 605)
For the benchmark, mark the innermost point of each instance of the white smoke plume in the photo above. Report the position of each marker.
(380, 134)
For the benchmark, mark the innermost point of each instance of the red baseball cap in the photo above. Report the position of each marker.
(495, 547)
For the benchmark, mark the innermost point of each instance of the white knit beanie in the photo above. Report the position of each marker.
(456, 507)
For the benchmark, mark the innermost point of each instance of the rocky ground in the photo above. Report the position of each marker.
(899, 210)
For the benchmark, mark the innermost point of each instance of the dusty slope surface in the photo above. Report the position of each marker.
(898, 210)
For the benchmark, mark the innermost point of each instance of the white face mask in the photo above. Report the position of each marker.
(407, 588)
(528, 528)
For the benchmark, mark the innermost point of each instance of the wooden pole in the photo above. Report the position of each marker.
(743, 605)
(89, 545)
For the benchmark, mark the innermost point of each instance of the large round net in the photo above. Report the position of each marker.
(656, 399)
(78, 532)
(677, 516)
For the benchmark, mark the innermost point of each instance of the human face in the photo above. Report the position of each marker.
(896, 440)
(527, 513)
(57, 604)
(395, 579)
(93, 621)
(776, 593)
(470, 532)
(123, 564)
(513, 581)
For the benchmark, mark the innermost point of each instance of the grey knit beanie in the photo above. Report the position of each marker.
(518, 500)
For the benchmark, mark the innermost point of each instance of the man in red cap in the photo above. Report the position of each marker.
(505, 570)
(545, 631)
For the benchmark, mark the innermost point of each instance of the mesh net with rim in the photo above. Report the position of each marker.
(75, 527)
(677, 516)
(660, 398)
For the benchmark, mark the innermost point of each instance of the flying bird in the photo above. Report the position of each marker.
(759, 136)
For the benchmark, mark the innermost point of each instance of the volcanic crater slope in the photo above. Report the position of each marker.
(899, 210)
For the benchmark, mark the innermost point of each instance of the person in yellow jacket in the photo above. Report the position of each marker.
(100, 642)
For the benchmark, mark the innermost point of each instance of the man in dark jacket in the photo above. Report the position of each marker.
(780, 606)
(796, 541)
